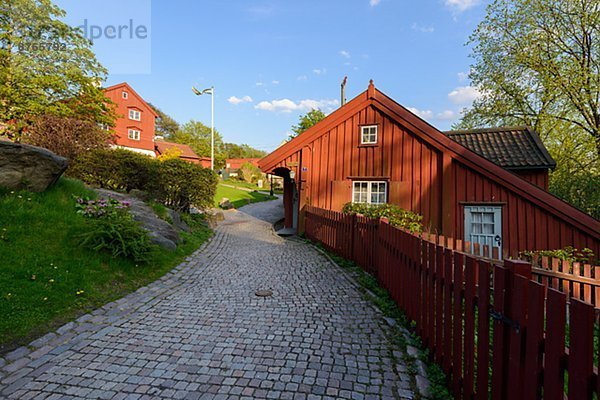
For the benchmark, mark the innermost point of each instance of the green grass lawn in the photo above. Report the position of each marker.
(239, 197)
(47, 279)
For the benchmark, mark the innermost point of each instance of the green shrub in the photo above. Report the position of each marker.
(110, 227)
(565, 254)
(116, 169)
(396, 216)
(182, 184)
(172, 182)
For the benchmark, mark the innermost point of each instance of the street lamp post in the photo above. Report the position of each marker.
(211, 91)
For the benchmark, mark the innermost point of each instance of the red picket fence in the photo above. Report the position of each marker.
(496, 332)
(576, 280)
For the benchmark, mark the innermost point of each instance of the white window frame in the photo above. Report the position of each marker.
(366, 131)
(369, 193)
(479, 229)
(133, 134)
(135, 115)
(125, 95)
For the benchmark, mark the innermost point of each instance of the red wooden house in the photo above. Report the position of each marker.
(374, 150)
(136, 119)
(185, 152)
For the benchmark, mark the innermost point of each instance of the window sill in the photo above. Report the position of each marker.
(368, 145)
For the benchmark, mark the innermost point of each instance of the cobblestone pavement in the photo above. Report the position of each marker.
(201, 332)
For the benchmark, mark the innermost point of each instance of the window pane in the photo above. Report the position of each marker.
(476, 228)
(488, 228)
(488, 217)
(476, 217)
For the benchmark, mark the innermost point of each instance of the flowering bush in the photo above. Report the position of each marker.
(99, 208)
(112, 228)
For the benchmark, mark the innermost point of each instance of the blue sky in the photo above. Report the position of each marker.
(270, 61)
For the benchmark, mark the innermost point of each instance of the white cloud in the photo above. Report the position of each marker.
(237, 100)
(302, 78)
(464, 95)
(344, 53)
(373, 3)
(319, 71)
(422, 28)
(446, 115)
(463, 76)
(275, 82)
(461, 5)
(428, 115)
(287, 105)
(259, 83)
(425, 114)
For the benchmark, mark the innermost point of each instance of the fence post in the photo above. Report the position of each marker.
(509, 316)
(352, 237)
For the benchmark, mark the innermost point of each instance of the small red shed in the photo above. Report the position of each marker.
(374, 150)
(185, 152)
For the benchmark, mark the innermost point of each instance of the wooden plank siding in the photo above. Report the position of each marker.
(427, 173)
(417, 166)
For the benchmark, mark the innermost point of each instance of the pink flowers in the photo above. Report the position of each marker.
(99, 208)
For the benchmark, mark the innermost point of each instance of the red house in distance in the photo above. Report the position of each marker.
(373, 150)
(135, 125)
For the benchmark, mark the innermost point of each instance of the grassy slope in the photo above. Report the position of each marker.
(239, 197)
(42, 267)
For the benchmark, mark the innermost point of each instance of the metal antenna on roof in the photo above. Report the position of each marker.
(344, 90)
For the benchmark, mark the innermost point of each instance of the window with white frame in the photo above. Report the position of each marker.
(135, 115)
(368, 134)
(370, 192)
(133, 134)
(125, 95)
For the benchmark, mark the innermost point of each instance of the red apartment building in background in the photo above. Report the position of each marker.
(135, 122)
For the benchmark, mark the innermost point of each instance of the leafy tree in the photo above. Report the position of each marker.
(165, 125)
(233, 150)
(249, 172)
(68, 137)
(308, 120)
(47, 67)
(537, 63)
(198, 136)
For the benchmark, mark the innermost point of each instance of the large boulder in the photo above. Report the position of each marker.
(161, 232)
(25, 167)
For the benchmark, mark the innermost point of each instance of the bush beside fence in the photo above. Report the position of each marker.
(496, 332)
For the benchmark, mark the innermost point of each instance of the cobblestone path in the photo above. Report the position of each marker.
(201, 332)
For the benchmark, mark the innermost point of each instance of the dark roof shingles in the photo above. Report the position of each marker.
(510, 148)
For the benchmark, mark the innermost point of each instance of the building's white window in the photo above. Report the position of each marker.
(369, 192)
(133, 134)
(368, 134)
(125, 95)
(135, 115)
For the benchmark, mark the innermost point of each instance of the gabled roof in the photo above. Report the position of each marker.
(431, 135)
(186, 151)
(517, 147)
(132, 91)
